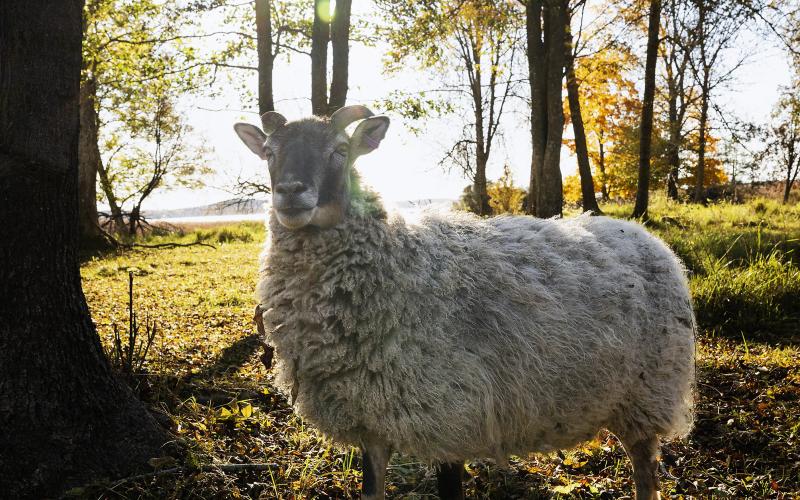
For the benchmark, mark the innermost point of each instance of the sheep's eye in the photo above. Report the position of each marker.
(339, 154)
(268, 154)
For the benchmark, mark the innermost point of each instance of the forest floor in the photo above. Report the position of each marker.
(203, 378)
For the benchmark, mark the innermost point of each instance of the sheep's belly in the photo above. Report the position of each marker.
(352, 413)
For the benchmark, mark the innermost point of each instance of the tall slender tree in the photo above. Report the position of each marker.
(130, 48)
(65, 418)
(679, 89)
(588, 199)
(473, 45)
(266, 56)
(546, 22)
(646, 125)
(783, 141)
(330, 27)
(718, 25)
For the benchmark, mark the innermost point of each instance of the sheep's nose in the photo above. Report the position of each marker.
(295, 187)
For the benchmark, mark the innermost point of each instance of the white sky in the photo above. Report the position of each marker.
(405, 166)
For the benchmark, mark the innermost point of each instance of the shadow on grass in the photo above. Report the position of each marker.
(232, 357)
(785, 333)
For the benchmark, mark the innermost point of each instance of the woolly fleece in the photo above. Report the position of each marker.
(462, 337)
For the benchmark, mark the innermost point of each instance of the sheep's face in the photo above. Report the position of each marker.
(310, 160)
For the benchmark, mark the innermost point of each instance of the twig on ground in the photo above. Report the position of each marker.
(168, 245)
(202, 468)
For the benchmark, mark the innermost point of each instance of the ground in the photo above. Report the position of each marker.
(204, 380)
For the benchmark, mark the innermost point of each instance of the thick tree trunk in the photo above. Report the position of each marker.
(589, 201)
(646, 127)
(320, 34)
(65, 418)
(88, 159)
(545, 30)
(537, 77)
(700, 172)
(551, 195)
(266, 100)
(340, 50)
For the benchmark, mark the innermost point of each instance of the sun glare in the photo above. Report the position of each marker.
(325, 10)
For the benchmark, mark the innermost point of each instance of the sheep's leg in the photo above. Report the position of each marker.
(449, 479)
(643, 455)
(375, 458)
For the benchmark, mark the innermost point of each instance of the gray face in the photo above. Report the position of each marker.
(307, 166)
(309, 162)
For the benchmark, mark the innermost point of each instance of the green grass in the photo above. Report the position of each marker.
(205, 380)
(743, 261)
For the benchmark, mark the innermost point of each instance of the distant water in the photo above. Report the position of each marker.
(211, 219)
(412, 211)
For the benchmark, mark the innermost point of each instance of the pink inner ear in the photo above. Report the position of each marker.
(370, 141)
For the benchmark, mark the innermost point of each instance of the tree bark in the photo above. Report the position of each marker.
(117, 219)
(537, 77)
(601, 165)
(91, 236)
(646, 127)
(266, 57)
(340, 51)
(65, 418)
(791, 172)
(589, 201)
(545, 32)
(673, 152)
(551, 196)
(699, 180)
(320, 34)
(481, 158)
(673, 148)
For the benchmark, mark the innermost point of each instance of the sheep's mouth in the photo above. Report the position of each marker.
(294, 217)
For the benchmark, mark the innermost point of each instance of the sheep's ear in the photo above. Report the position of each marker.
(368, 135)
(253, 138)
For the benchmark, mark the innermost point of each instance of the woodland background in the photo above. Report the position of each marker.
(128, 363)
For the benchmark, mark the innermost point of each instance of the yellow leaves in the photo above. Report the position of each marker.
(504, 197)
(572, 189)
(246, 411)
(574, 462)
(567, 488)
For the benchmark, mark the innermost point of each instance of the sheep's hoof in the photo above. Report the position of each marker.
(266, 356)
(259, 320)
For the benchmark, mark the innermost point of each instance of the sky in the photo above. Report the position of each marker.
(405, 167)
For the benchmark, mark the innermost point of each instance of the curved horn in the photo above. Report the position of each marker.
(272, 121)
(343, 117)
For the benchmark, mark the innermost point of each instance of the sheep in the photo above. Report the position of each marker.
(461, 337)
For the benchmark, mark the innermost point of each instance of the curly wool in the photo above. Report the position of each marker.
(462, 337)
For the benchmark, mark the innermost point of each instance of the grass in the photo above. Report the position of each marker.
(205, 382)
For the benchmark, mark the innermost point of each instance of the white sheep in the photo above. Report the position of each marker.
(462, 337)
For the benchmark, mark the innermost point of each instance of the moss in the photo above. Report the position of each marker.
(364, 201)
